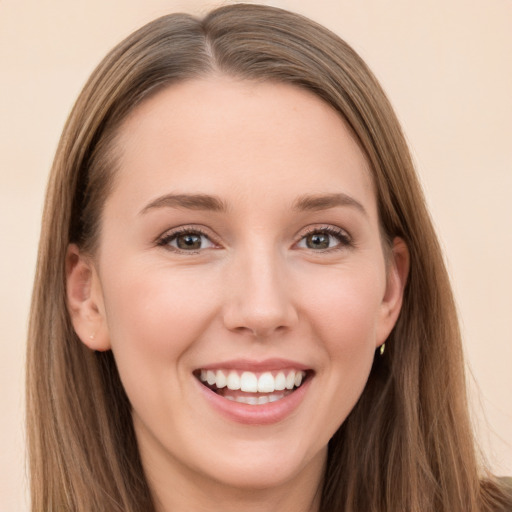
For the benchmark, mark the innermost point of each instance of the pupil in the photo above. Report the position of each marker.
(318, 241)
(189, 242)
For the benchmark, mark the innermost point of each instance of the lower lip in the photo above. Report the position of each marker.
(262, 414)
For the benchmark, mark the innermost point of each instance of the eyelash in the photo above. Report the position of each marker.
(344, 239)
(168, 237)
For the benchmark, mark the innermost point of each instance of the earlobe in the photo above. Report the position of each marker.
(397, 273)
(85, 300)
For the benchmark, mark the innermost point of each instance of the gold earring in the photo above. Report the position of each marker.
(382, 348)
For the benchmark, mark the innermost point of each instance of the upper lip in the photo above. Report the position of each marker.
(256, 366)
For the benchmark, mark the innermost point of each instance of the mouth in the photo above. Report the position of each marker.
(253, 388)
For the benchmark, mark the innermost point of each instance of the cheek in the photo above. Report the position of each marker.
(345, 314)
(154, 316)
(344, 306)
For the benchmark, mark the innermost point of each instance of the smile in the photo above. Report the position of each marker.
(252, 388)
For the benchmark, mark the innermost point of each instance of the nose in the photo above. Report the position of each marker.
(258, 295)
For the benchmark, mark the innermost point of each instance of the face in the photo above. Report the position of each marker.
(240, 247)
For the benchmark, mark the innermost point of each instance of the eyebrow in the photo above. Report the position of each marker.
(187, 201)
(318, 202)
(205, 202)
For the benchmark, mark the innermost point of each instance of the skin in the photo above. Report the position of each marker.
(256, 289)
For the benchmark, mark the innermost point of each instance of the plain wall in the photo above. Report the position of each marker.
(447, 67)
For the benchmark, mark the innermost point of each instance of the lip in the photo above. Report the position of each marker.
(262, 414)
(256, 366)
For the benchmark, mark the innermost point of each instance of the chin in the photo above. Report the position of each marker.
(264, 471)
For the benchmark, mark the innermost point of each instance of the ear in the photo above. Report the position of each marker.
(85, 300)
(397, 272)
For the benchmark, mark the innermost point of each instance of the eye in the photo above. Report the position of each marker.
(323, 239)
(186, 240)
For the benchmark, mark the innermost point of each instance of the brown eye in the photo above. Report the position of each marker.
(325, 239)
(318, 241)
(191, 241)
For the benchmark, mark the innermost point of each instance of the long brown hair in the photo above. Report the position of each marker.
(407, 445)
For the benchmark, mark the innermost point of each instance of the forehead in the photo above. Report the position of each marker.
(220, 135)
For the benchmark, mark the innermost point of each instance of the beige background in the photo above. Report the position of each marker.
(447, 67)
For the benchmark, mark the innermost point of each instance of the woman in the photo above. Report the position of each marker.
(249, 308)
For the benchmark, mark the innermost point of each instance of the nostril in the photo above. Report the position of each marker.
(260, 331)
(260, 324)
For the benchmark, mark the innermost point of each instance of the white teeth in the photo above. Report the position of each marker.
(280, 382)
(210, 377)
(249, 382)
(233, 381)
(220, 379)
(290, 380)
(266, 383)
(253, 400)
